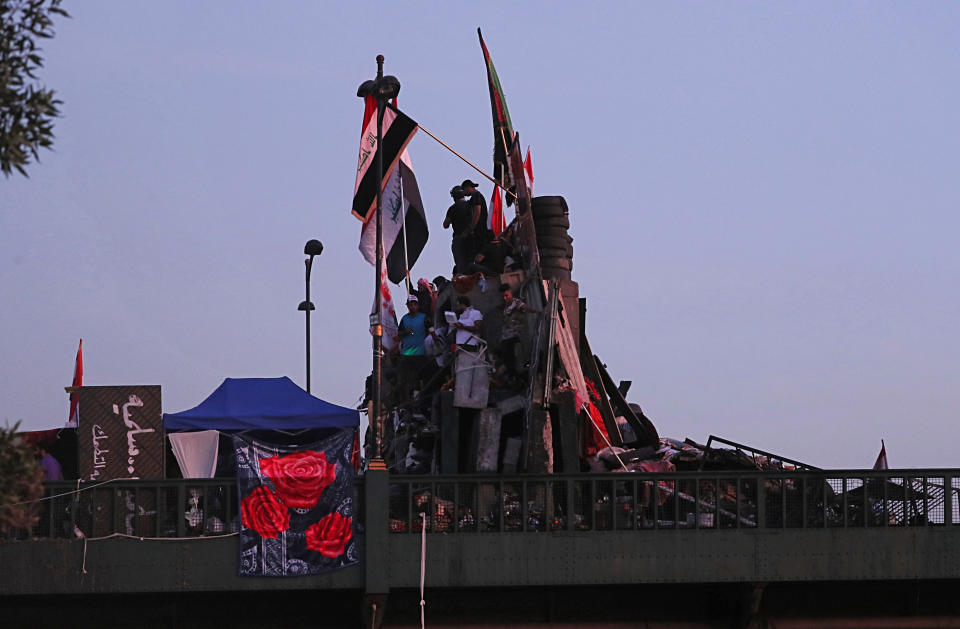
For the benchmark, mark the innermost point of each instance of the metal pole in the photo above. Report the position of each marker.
(378, 327)
(309, 263)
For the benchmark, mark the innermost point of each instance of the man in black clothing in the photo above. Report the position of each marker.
(482, 235)
(490, 260)
(460, 217)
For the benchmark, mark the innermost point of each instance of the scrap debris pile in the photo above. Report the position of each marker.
(491, 371)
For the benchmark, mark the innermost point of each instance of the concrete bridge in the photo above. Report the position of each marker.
(811, 548)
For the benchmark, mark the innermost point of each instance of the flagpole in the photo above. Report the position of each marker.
(467, 161)
(403, 228)
(383, 88)
(378, 327)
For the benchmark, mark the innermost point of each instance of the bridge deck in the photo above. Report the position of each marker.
(514, 531)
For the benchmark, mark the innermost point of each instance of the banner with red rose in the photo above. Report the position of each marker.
(296, 506)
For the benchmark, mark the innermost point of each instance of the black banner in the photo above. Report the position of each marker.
(120, 433)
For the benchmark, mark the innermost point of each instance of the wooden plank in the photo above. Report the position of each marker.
(591, 372)
(540, 442)
(568, 418)
(511, 455)
(550, 287)
(449, 433)
(571, 358)
(645, 430)
(486, 441)
(512, 404)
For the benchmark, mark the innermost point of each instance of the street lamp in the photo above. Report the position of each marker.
(311, 249)
(382, 89)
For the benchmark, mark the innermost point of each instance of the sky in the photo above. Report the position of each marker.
(763, 199)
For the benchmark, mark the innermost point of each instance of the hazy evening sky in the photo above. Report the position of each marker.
(764, 200)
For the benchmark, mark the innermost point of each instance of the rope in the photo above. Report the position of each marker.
(83, 566)
(68, 493)
(423, 567)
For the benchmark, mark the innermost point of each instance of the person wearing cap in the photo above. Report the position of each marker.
(413, 332)
(478, 206)
(462, 220)
(412, 329)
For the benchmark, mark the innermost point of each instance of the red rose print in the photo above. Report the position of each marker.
(330, 535)
(300, 478)
(262, 512)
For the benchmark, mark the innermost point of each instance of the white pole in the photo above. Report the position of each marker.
(403, 228)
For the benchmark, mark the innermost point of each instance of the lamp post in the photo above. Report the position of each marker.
(383, 89)
(311, 249)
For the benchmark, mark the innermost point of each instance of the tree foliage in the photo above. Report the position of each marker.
(27, 108)
(21, 481)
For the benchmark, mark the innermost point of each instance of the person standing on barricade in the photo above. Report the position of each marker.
(478, 206)
(463, 221)
(413, 331)
(468, 325)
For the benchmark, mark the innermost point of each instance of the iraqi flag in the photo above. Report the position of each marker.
(73, 420)
(398, 130)
(403, 222)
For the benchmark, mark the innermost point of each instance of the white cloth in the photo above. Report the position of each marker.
(196, 452)
(469, 317)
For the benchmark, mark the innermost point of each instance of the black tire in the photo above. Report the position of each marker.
(552, 242)
(549, 201)
(557, 263)
(550, 211)
(554, 274)
(553, 252)
(547, 231)
(552, 221)
(543, 207)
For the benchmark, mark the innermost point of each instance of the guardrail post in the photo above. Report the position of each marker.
(948, 499)
(761, 502)
(376, 552)
(377, 508)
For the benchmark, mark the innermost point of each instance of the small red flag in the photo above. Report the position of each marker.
(881, 463)
(74, 418)
(528, 171)
(498, 221)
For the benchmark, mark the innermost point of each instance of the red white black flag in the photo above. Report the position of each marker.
(398, 130)
(404, 223)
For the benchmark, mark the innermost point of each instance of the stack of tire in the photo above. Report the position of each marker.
(551, 219)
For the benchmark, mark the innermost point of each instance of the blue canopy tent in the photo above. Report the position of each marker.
(241, 404)
(260, 407)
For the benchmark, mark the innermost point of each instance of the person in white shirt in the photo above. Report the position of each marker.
(468, 325)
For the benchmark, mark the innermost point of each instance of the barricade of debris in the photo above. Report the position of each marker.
(493, 371)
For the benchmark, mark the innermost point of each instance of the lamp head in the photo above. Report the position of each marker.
(313, 248)
(387, 88)
(366, 88)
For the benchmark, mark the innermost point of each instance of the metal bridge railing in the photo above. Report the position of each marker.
(528, 503)
(139, 508)
(689, 500)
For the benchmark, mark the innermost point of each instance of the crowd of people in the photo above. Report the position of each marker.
(443, 326)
